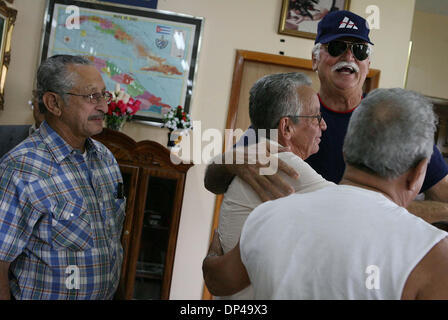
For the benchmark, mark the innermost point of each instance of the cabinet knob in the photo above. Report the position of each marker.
(126, 232)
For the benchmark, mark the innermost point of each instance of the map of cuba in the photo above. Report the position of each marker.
(148, 59)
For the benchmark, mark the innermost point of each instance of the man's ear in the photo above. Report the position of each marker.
(314, 61)
(53, 103)
(417, 175)
(285, 128)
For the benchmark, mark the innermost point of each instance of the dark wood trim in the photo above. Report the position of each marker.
(127, 227)
(144, 153)
(173, 233)
(136, 235)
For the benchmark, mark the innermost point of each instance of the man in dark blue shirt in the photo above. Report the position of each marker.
(329, 161)
(341, 57)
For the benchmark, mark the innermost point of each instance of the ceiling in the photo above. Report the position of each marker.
(432, 6)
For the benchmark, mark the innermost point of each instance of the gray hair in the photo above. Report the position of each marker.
(275, 96)
(390, 132)
(54, 76)
(315, 52)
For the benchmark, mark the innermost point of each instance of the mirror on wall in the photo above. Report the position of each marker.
(7, 20)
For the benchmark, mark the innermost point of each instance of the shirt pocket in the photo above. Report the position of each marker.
(71, 228)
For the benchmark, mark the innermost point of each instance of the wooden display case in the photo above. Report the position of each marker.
(154, 188)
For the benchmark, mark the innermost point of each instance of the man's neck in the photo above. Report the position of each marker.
(287, 143)
(65, 133)
(389, 188)
(341, 100)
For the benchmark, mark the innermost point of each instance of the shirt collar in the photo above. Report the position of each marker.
(340, 112)
(58, 147)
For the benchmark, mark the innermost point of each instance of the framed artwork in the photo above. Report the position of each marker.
(152, 4)
(300, 17)
(7, 21)
(152, 55)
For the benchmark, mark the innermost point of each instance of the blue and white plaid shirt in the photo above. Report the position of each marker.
(60, 219)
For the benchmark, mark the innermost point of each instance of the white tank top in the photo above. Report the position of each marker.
(340, 242)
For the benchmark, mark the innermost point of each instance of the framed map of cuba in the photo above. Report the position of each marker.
(152, 55)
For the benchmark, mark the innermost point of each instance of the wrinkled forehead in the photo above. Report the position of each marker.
(87, 77)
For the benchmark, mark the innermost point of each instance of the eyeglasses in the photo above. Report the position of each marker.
(335, 48)
(318, 117)
(94, 98)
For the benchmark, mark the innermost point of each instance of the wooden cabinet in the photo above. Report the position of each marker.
(154, 189)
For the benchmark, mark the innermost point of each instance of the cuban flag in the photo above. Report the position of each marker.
(163, 29)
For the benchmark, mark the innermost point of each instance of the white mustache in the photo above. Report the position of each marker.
(345, 64)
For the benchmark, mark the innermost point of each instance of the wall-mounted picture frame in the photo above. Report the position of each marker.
(7, 21)
(300, 17)
(152, 4)
(151, 54)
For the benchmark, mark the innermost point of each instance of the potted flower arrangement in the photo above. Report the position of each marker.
(121, 108)
(178, 123)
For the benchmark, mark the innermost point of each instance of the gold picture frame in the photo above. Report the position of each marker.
(7, 20)
(300, 17)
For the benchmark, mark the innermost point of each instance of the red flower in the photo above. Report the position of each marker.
(119, 109)
(122, 107)
(111, 107)
(134, 109)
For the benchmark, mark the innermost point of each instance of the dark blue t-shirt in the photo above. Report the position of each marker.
(329, 161)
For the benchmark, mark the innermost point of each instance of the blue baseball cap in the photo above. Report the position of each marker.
(342, 23)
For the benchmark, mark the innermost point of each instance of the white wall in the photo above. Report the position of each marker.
(229, 25)
(391, 40)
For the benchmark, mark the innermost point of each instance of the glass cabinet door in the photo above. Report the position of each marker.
(130, 178)
(155, 232)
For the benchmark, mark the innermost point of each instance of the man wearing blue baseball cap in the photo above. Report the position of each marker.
(341, 57)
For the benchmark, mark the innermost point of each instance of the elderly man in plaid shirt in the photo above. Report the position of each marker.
(61, 209)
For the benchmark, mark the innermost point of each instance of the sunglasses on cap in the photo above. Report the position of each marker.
(335, 48)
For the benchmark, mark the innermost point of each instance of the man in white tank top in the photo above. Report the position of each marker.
(355, 240)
